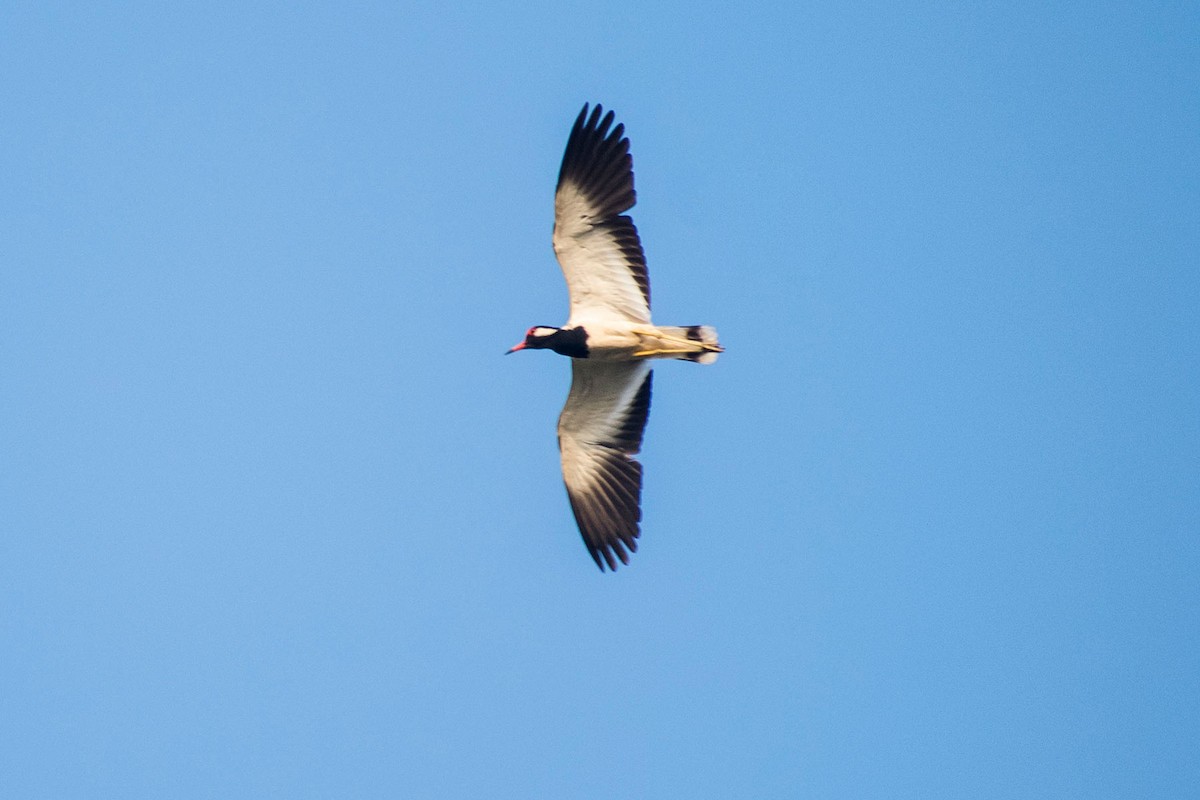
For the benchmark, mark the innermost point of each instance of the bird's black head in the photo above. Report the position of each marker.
(564, 341)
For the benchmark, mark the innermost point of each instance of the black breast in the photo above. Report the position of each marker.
(570, 342)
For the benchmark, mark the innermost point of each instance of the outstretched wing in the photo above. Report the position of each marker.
(598, 248)
(599, 433)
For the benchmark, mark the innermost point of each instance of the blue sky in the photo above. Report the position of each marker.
(279, 519)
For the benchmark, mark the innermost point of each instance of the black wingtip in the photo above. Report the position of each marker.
(597, 158)
(579, 121)
(593, 122)
(607, 555)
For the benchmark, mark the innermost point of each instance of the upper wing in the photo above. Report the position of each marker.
(599, 433)
(598, 249)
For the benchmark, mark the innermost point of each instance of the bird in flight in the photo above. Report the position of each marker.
(608, 336)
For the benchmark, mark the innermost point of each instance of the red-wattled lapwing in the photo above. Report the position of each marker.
(608, 336)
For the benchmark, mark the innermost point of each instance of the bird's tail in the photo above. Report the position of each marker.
(696, 342)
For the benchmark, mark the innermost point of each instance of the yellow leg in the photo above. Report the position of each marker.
(645, 353)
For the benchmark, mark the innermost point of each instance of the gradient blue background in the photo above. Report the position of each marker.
(279, 519)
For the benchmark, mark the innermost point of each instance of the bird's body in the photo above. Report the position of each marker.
(608, 335)
(623, 342)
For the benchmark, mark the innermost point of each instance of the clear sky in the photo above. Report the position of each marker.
(278, 518)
